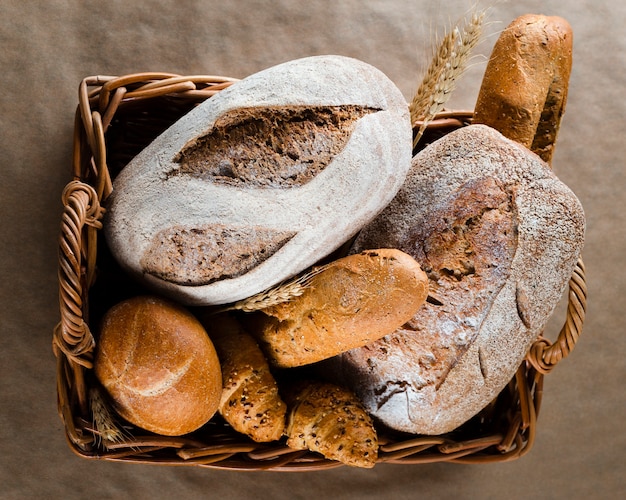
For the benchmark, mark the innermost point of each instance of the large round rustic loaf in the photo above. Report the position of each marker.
(158, 365)
(262, 180)
(498, 236)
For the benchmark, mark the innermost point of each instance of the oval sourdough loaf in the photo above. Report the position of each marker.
(498, 236)
(262, 180)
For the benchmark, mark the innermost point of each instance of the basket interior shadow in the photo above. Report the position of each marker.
(116, 118)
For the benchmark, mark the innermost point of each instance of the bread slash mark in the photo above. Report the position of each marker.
(482, 363)
(523, 306)
(276, 147)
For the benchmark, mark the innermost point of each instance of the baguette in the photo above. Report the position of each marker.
(524, 90)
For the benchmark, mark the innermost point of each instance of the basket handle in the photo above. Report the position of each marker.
(544, 355)
(81, 219)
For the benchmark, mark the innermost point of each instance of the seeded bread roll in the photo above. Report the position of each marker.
(157, 363)
(250, 402)
(330, 420)
(524, 89)
(353, 301)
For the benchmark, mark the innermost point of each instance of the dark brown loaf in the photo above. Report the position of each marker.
(250, 402)
(157, 363)
(351, 302)
(524, 89)
(498, 236)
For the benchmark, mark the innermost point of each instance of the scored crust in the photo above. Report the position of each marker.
(498, 235)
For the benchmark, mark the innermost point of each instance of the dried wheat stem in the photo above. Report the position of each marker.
(103, 421)
(446, 67)
(421, 100)
(278, 294)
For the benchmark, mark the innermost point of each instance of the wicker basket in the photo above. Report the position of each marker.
(116, 118)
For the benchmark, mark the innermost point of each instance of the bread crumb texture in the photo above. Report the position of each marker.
(204, 254)
(276, 147)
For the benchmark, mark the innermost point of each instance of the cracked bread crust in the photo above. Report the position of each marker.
(204, 254)
(278, 147)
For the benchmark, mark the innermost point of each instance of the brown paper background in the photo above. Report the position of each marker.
(47, 47)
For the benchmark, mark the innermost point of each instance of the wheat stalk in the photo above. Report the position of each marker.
(283, 292)
(104, 422)
(421, 100)
(446, 67)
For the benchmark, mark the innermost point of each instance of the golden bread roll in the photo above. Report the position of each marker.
(250, 402)
(524, 90)
(158, 365)
(351, 302)
(330, 420)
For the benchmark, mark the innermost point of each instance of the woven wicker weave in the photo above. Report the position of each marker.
(116, 118)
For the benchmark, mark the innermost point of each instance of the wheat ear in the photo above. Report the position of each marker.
(283, 292)
(104, 423)
(446, 67)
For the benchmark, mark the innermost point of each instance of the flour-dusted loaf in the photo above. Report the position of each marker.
(261, 181)
(158, 365)
(250, 401)
(352, 301)
(498, 236)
